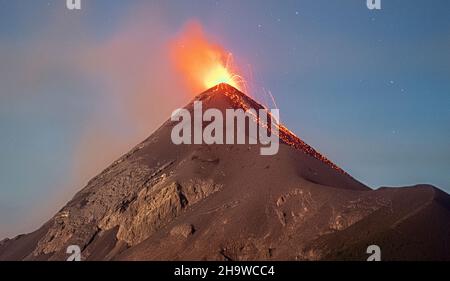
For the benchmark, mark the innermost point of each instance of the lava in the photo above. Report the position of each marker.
(240, 100)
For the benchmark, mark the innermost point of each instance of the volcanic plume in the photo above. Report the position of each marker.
(202, 62)
(162, 201)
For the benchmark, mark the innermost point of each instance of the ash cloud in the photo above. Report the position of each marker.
(71, 104)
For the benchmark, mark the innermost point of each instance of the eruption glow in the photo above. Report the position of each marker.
(202, 63)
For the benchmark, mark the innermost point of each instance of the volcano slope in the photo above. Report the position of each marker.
(163, 201)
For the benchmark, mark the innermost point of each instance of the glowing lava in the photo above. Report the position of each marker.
(202, 63)
(241, 100)
(222, 74)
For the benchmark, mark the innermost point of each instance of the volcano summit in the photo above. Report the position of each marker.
(163, 201)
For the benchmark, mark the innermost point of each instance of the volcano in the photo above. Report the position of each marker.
(162, 201)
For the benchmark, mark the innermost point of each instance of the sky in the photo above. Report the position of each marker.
(369, 89)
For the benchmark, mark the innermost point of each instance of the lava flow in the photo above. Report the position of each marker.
(241, 100)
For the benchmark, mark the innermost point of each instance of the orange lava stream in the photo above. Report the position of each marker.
(285, 134)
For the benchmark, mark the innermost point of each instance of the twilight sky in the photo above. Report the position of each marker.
(369, 89)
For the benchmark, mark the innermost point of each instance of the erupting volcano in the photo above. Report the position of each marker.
(163, 201)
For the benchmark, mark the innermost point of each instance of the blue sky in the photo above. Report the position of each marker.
(369, 89)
